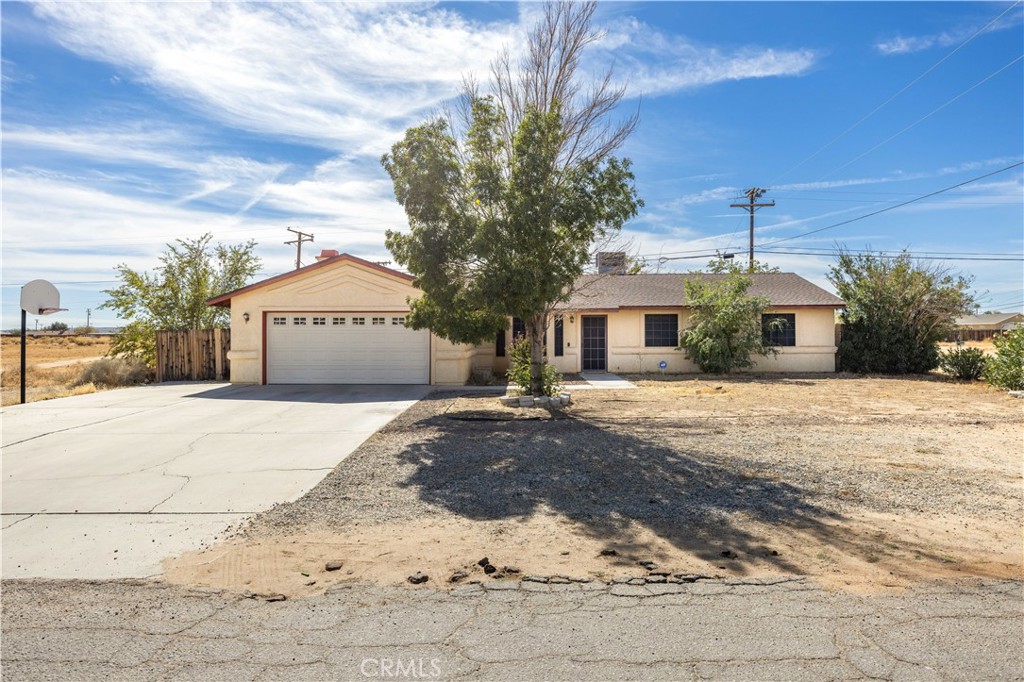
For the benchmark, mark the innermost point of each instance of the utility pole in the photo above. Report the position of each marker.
(298, 241)
(88, 317)
(752, 194)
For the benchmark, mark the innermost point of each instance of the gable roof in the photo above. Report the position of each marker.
(224, 300)
(987, 319)
(611, 292)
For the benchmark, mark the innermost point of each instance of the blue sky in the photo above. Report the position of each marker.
(128, 125)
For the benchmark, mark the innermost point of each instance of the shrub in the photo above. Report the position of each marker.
(519, 369)
(966, 364)
(113, 372)
(725, 324)
(897, 312)
(1006, 369)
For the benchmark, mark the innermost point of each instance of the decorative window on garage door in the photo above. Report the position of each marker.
(319, 321)
(378, 320)
(279, 321)
(358, 320)
(337, 321)
(398, 320)
(299, 321)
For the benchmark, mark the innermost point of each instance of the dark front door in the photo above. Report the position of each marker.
(595, 343)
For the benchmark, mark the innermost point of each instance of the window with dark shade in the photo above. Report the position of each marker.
(518, 328)
(559, 337)
(779, 329)
(661, 331)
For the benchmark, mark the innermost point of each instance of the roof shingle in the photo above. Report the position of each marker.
(611, 292)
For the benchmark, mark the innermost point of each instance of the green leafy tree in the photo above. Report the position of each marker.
(174, 297)
(59, 327)
(897, 312)
(725, 323)
(505, 207)
(1006, 369)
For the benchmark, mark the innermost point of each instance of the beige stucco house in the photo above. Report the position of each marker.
(342, 320)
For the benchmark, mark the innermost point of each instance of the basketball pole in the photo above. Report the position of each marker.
(24, 317)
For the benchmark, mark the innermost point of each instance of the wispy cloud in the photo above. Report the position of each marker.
(342, 75)
(908, 44)
(138, 147)
(655, 63)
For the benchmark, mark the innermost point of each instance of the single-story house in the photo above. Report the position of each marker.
(982, 327)
(342, 320)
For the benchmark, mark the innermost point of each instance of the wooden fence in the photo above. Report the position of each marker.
(195, 354)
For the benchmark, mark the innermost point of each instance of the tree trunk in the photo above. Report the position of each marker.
(535, 327)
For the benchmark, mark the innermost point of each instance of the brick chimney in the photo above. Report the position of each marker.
(326, 253)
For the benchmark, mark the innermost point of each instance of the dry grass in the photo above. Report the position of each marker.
(52, 349)
(44, 383)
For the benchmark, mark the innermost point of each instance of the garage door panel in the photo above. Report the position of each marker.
(340, 350)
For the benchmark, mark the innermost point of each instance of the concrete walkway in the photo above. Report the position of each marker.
(708, 630)
(605, 380)
(109, 484)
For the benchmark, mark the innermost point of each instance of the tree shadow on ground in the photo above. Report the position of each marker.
(604, 479)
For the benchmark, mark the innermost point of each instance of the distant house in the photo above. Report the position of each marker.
(342, 320)
(984, 327)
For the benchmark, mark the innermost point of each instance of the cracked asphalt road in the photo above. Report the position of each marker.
(787, 629)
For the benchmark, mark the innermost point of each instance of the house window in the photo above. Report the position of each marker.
(518, 328)
(337, 320)
(299, 320)
(779, 329)
(319, 321)
(559, 337)
(358, 320)
(378, 320)
(661, 331)
(398, 320)
(280, 321)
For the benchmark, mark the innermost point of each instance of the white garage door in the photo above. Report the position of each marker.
(345, 348)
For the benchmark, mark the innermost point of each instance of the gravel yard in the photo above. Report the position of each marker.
(863, 483)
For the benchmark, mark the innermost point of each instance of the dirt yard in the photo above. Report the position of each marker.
(864, 484)
(54, 365)
(987, 347)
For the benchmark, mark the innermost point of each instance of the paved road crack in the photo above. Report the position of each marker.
(18, 521)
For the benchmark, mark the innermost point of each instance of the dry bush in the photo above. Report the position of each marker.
(110, 372)
(80, 389)
(86, 340)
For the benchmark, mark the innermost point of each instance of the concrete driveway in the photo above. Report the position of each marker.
(108, 485)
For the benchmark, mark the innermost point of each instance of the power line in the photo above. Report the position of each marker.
(94, 281)
(898, 92)
(879, 201)
(926, 116)
(922, 253)
(890, 208)
(300, 238)
(915, 257)
(752, 194)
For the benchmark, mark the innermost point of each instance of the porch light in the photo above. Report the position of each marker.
(245, 316)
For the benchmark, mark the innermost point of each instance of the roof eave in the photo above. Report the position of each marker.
(224, 300)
